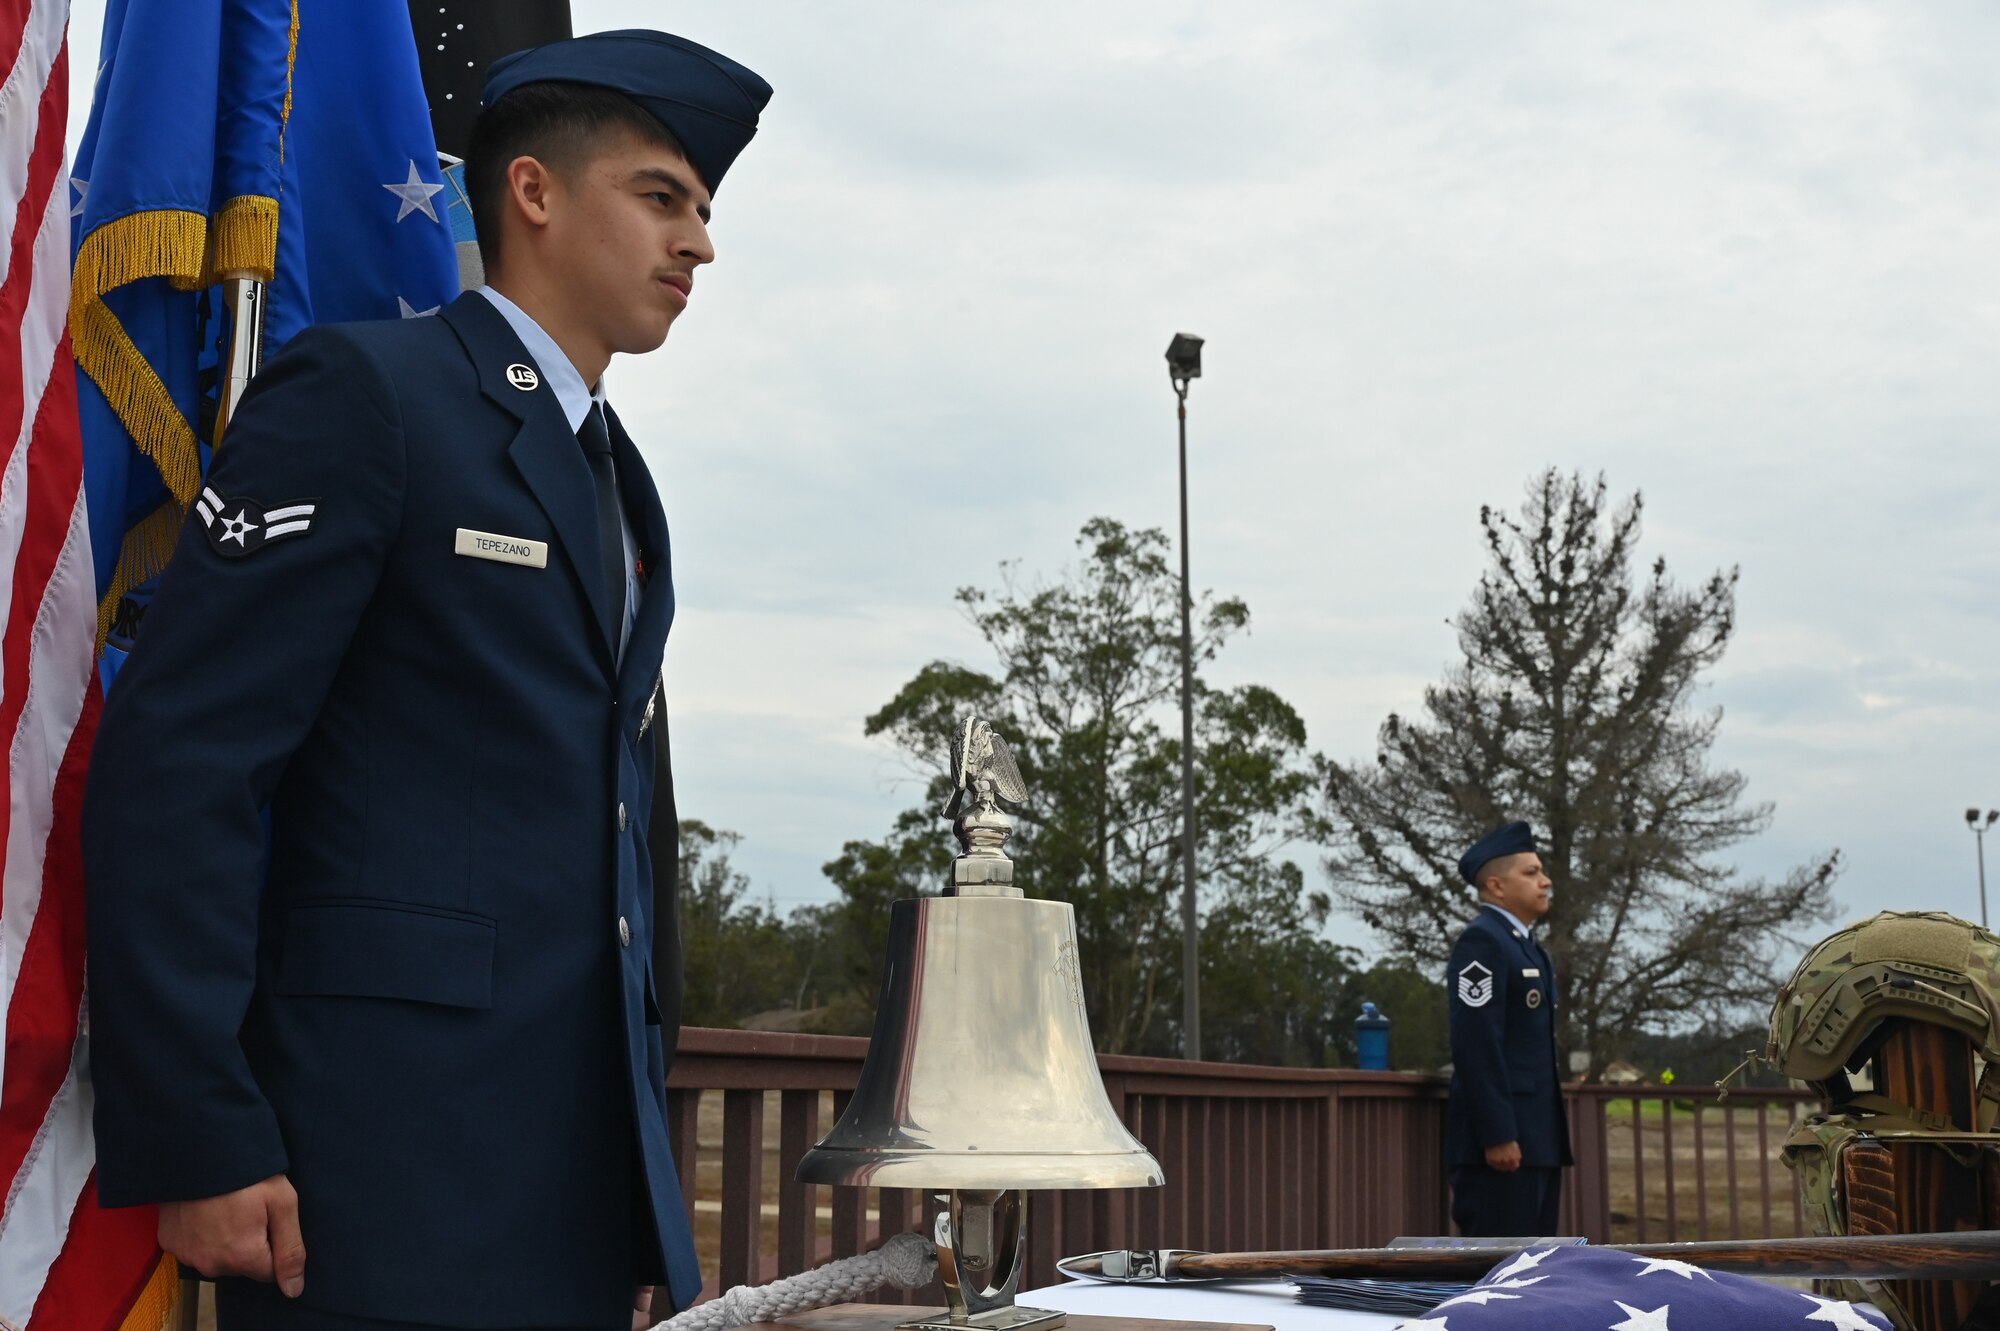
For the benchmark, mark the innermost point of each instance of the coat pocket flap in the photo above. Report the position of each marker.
(383, 950)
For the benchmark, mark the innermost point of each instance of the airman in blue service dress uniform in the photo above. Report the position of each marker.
(409, 1070)
(1506, 1131)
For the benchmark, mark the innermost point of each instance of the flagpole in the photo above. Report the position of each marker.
(244, 294)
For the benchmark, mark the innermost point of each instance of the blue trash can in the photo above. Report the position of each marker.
(1371, 1039)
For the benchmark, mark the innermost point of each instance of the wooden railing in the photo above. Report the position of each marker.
(1255, 1158)
(1682, 1165)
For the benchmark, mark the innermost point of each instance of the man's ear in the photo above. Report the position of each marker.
(529, 186)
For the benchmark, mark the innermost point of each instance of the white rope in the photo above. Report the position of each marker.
(907, 1261)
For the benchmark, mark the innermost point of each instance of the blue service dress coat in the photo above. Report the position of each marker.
(1504, 1083)
(437, 1007)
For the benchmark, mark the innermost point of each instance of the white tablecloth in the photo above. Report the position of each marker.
(1260, 1303)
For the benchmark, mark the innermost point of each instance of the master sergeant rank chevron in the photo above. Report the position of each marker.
(239, 527)
(1475, 985)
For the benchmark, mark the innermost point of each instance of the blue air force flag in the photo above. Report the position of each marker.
(282, 139)
(1597, 1289)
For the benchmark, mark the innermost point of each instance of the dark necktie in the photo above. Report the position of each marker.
(595, 441)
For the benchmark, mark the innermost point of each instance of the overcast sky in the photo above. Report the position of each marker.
(1741, 257)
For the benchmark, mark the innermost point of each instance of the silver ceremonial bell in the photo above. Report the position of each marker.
(981, 1080)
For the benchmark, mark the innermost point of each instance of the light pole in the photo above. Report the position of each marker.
(1979, 835)
(1184, 364)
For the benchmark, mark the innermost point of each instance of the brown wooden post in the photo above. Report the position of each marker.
(1149, 1125)
(1639, 1166)
(1045, 1238)
(1700, 1173)
(1216, 1169)
(1908, 1187)
(1587, 1195)
(742, 1186)
(683, 1135)
(850, 1205)
(798, 1129)
(1764, 1162)
(1667, 1168)
(1729, 1146)
(1332, 1215)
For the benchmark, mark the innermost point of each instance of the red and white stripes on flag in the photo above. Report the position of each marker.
(65, 1265)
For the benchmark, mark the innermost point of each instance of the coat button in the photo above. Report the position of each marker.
(621, 815)
(624, 932)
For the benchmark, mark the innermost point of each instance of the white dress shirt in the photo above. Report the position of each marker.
(1508, 916)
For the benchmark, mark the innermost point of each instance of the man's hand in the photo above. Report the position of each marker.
(642, 1308)
(1504, 1158)
(252, 1232)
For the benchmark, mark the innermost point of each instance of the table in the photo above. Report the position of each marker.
(1261, 1302)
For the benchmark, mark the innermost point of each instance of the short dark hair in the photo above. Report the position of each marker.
(1494, 868)
(561, 125)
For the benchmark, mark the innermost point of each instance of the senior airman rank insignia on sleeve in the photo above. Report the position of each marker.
(238, 527)
(1475, 985)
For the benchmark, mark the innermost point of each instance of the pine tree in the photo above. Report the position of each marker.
(1577, 708)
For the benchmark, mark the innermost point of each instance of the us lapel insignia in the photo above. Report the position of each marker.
(239, 527)
(523, 377)
(1475, 985)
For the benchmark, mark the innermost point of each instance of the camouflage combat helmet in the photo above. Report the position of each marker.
(1923, 965)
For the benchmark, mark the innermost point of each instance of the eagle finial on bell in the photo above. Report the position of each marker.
(983, 770)
(981, 1080)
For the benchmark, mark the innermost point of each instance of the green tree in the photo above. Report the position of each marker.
(1271, 984)
(1084, 687)
(852, 933)
(1413, 999)
(1576, 707)
(740, 958)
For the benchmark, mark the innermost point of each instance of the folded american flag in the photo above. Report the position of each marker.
(1597, 1289)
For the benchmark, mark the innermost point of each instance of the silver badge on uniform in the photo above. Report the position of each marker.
(1475, 985)
(1534, 998)
(523, 377)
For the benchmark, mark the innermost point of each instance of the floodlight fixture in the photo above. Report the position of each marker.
(1183, 360)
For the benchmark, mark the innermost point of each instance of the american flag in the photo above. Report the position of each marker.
(1597, 1289)
(64, 1263)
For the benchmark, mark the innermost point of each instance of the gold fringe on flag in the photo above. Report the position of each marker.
(170, 244)
(188, 251)
(291, 64)
(246, 238)
(149, 544)
(141, 245)
(157, 1303)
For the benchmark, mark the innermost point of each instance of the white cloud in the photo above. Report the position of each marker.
(1738, 256)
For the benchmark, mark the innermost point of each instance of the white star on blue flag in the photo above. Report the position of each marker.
(1600, 1289)
(415, 195)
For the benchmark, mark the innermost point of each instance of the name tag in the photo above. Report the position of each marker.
(506, 549)
(1531, 972)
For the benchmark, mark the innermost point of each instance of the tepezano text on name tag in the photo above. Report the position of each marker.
(506, 549)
